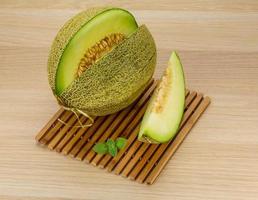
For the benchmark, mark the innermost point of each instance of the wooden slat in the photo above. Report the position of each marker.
(52, 132)
(96, 136)
(178, 140)
(140, 165)
(82, 137)
(120, 166)
(70, 134)
(193, 105)
(62, 132)
(135, 159)
(189, 99)
(75, 139)
(138, 161)
(49, 124)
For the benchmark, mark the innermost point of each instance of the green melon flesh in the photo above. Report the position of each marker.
(165, 110)
(107, 22)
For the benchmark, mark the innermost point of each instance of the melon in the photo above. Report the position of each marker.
(165, 110)
(101, 61)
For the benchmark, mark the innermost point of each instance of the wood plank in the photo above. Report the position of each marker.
(62, 132)
(190, 98)
(52, 132)
(126, 158)
(135, 159)
(70, 134)
(49, 124)
(82, 153)
(193, 104)
(68, 147)
(144, 160)
(81, 138)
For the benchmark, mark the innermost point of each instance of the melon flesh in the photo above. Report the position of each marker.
(166, 107)
(103, 24)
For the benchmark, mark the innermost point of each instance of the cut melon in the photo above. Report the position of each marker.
(101, 61)
(111, 22)
(166, 107)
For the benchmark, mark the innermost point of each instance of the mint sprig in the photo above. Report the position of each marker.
(121, 142)
(100, 148)
(110, 146)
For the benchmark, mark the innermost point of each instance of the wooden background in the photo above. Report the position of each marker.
(218, 44)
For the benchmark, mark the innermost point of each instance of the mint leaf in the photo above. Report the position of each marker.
(100, 148)
(121, 142)
(112, 149)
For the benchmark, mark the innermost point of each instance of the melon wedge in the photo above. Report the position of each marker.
(165, 110)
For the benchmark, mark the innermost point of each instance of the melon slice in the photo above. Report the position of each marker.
(166, 107)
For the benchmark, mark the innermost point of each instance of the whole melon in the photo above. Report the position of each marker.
(101, 61)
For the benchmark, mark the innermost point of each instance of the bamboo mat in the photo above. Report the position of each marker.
(138, 161)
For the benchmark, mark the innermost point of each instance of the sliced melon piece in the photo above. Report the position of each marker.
(166, 107)
(95, 38)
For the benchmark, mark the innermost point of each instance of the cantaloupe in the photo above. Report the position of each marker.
(101, 61)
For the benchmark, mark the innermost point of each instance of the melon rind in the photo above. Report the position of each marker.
(119, 77)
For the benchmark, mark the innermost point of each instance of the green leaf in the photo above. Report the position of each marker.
(121, 142)
(112, 149)
(100, 148)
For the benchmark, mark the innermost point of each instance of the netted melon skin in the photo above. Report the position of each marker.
(117, 79)
(63, 37)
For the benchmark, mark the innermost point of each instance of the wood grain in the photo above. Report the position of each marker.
(218, 45)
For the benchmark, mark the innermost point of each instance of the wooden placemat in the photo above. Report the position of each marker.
(138, 161)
